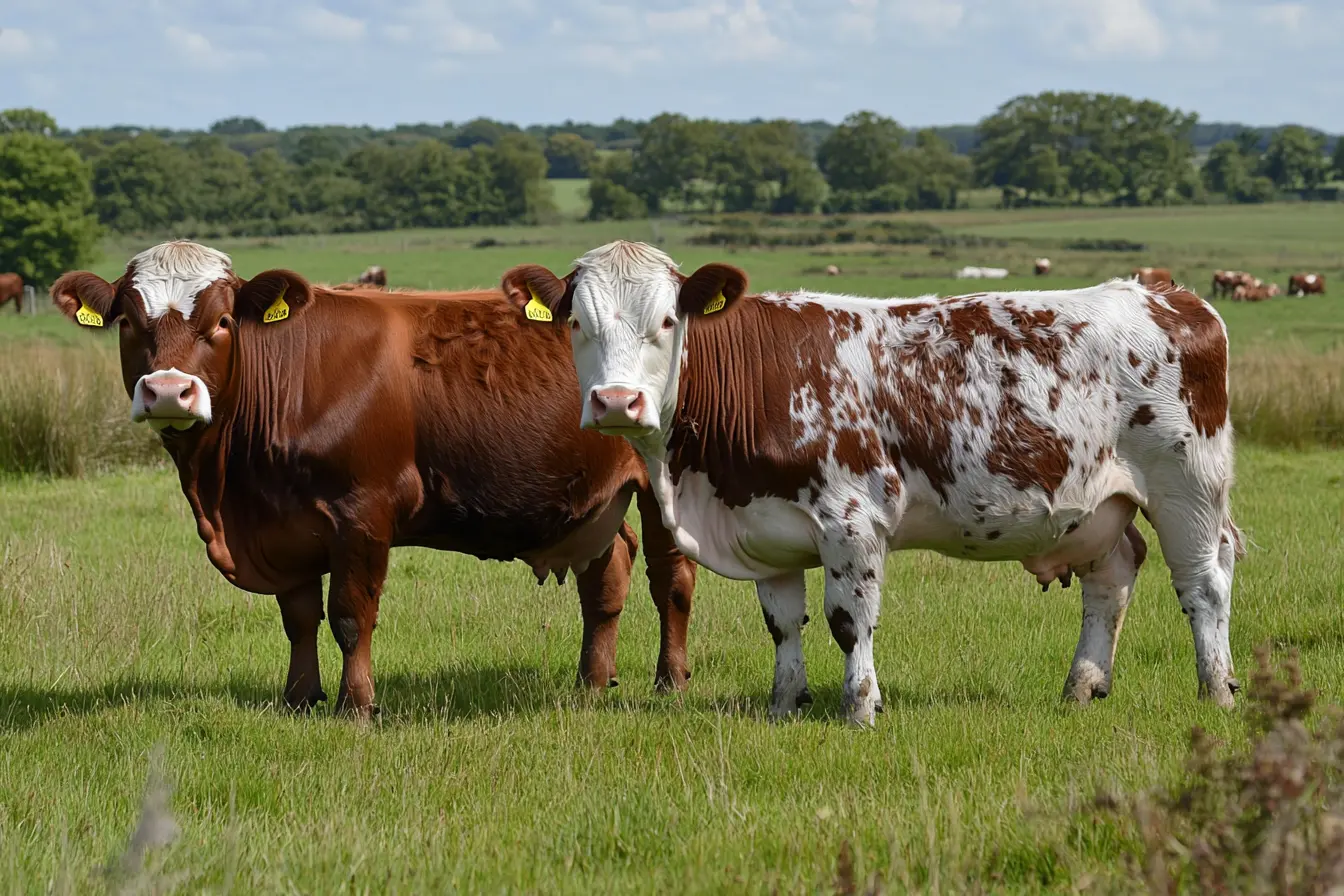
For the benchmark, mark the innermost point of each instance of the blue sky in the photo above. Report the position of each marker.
(186, 63)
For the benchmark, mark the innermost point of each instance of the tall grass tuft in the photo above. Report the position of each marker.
(1287, 397)
(64, 412)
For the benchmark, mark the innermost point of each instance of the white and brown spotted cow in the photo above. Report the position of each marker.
(789, 431)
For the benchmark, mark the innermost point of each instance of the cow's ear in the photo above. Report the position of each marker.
(273, 296)
(538, 293)
(86, 298)
(711, 289)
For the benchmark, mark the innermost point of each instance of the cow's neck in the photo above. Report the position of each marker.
(249, 425)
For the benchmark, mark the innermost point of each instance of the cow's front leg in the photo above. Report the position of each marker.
(359, 567)
(784, 605)
(853, 597)
(603, 587)
(301, 614)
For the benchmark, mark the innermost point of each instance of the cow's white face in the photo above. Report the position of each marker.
(626, 306)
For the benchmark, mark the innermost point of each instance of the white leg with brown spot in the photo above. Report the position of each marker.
(784, 605)
(1108, 586)
(1201, 556)
(853, 599)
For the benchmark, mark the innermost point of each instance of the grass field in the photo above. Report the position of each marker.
(486, 771)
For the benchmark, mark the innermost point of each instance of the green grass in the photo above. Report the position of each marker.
(488, 772)
(571, 197)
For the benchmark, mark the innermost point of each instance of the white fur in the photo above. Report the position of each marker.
(971, 272)
(170, 275)
(1091, 396)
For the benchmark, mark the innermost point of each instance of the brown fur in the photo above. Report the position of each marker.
(1198, 336)
(11, 287)
(369, 420)
(1153, 276)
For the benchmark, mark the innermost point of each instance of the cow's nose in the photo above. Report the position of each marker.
(175, 394)
(616, 405)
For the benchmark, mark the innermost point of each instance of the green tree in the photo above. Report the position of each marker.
(482, 130)
(672, 159)
(939, 173)
(237, 126)
(47, 224)
(1226, 170)
(610, 193)
(275, 193)
(32, 121)
(569, 156)
(519, 174)
(225, 186)
(1091, 173)
(1337, 160)
(144, 185)
(863, 153)
(1295, 159)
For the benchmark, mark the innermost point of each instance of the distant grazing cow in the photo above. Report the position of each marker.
(1152, 276)
(11, 287)
(1255, 292)
(446, 422)
(832, 270)
(1224, 282)
(1003, 426)
(1042, 267)
(1306, 284)
(374, 276)
(971, 272)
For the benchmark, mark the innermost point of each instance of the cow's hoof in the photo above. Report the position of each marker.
(1086, 683)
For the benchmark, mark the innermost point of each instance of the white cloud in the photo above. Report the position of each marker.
(1090, 29)
(1287, 16)
(323, 23)
(749, 33)
(684, 21)
(15, 43)
(617, 58)
(437, 26)
(933, 16)
(196, 50)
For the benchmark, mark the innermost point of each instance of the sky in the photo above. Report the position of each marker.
(187, 63)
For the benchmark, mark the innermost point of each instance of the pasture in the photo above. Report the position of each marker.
(486, 769)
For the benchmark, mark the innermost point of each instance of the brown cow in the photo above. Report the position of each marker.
(1153, 276)
(1042, 267)
(449, 423)
(374, 275)
(1254, 292)
(11, 287)
(1225, 282)
(1306, 284)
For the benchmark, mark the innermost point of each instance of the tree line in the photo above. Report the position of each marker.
(60, 189)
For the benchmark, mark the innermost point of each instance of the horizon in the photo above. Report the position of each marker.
(183, 67)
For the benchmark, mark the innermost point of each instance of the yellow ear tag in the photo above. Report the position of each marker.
(535, 310)
(278, 311)
(715, 304)
(88, 317)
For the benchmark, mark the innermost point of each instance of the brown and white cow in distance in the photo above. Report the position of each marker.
(1306, 284)
(11, 287)
(1152, 276)
(790, 431)
(1042, 267)
(374, 275)
(447, 423)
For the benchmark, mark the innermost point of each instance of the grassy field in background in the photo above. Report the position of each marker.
(488, 772)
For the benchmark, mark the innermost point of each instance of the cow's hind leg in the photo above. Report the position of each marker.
(1108, 585)
(301, 613)
(672, 586)
(1201, 545)
(603, 587)
(853, 597)
(784, 605)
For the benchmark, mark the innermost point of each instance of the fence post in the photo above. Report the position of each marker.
(30, 298)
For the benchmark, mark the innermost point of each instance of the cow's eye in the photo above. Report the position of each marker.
(669, 323)
(225, 325)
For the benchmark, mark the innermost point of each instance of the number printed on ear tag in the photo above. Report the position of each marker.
(88, 317)
(278, 311)
(715, 304)
(535, 310)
